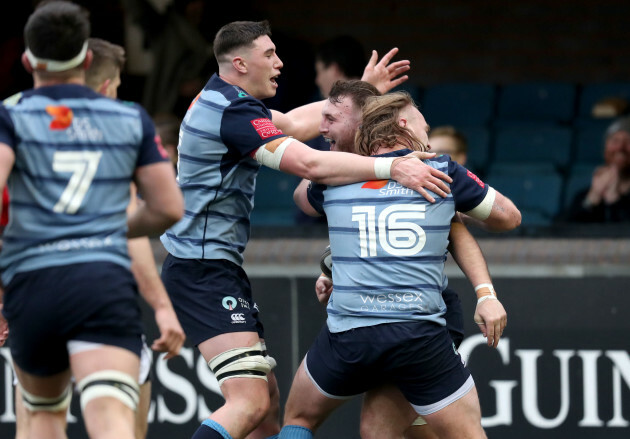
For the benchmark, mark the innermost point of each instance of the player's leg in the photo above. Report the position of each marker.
(306, 408)
(270, 425)
(144, 403)
(459, 420)
(44, 401)
(386, 414)
(236, 360)
(107, 378)
(22, 416)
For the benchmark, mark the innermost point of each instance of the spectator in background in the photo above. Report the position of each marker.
(447, 140)
(608, 197)
(342, 57)
(167, 127)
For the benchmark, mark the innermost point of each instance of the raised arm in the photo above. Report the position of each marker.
(489, 313)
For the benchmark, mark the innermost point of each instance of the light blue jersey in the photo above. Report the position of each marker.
(389, 247)
(216, 172)
(75, 155)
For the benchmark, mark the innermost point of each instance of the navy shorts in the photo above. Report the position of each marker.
(95, 302)
(454, 316)
(211, 297)
(418, 357)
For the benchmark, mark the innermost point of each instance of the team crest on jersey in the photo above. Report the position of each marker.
(477, 180)
(229, 302)
(62, 117)
(265, 128)
(374, 184)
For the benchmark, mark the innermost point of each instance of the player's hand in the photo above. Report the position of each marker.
(172, 335)
(323, 289)
(492, 319)
(419, 176)
(4, 326)
(385, 76)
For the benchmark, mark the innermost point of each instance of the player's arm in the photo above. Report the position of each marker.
(338, 168)
(153, 292)
(300, 197)
(303, 122)
(163, 201)
(489, 313)
(7, 159)
(503, 216)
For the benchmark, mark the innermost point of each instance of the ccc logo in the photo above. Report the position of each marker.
(238, 318)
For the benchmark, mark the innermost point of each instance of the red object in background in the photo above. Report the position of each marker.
(4, 219)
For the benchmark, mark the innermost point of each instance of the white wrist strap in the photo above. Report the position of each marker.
(488, 297)
(383, 167)
(488, 286)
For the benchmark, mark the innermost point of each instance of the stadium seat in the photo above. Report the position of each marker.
(478, 140)
(527, 144)
(593, 93)
(537, 101)
(458, 104)
(589, 144)
(537, 194)
(522, 169)
(579, 178)
(273, 201)
(413, 90)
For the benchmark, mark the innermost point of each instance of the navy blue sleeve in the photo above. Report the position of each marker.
(467, 189)
(315, 195)
(151, 150)
(246, 125)
(7, 129)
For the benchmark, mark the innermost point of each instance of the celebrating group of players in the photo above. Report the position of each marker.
(73, 157)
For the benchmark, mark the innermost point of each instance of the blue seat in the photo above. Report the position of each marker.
(522, 169)
(478, 140)
(589, 144)
(593, 93)
(580, 177)
(527, 144)
(458, 104)
(413, 90)
(537, 101)
(273, 201)
(539, 194)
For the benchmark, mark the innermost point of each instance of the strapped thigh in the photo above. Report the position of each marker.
(36, 403)
(110, 383)
(240, 363)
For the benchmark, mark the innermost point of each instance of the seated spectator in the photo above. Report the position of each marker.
(447, 140)
(608, 197)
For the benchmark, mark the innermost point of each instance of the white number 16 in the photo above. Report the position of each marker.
(398, 235)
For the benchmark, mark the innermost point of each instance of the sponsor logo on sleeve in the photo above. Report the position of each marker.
(474, 177)
(265, 128)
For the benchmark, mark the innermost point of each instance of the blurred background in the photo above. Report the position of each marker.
(538, 89)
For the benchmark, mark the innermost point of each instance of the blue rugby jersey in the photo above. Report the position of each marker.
(216, 172)
(389, 246)
(75, 155)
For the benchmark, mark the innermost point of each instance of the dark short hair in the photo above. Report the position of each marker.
(238, 34)
(345, 51)
(358, 91)
(107, 62)
(57, 30)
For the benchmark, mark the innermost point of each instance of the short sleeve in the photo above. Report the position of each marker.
(7, 129)
(315, 196)
(468, 190)
(151, 149)
(246, 125)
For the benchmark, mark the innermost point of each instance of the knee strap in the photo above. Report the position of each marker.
(36, 403)
(110, 383)
(240, 363)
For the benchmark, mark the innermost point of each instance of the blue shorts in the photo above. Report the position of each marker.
(94, 302)
(211, 297)
(418, 357)
(454, 316)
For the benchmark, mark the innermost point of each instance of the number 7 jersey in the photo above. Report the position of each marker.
(389, 246)
(75, 155)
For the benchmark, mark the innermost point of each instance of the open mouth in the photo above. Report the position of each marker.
(274, 80)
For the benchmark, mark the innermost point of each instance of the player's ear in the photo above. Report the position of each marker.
(27, 64)
(87, 62)
(103, 88)
(239, 64)
(402, 122)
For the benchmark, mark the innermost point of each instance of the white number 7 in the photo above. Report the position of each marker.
(83, 165)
